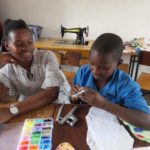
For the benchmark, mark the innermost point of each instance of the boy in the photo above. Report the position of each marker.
(109, 88)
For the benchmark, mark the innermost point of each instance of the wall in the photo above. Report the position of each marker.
(128, 18)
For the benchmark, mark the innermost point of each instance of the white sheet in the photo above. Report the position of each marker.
(105, 132)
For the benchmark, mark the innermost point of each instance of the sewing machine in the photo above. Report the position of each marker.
(79, 31)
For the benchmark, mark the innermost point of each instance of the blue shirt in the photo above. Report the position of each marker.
(121, 89)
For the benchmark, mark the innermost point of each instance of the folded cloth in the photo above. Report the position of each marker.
(105, 132)
(141, 134)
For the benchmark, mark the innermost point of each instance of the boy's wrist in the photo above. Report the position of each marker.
(102, 103)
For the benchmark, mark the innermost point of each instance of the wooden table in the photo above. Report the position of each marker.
(56, 45)
(79, 131)
(75, 135)
(60, 133)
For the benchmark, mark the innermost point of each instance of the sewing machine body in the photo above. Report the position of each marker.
(80, 34)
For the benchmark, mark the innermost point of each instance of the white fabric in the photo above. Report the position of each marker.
(105, 132)
(44, 73)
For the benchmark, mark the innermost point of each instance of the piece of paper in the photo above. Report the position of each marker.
(105, 132)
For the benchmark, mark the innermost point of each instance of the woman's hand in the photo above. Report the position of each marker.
(7, 58)
(92, 97)
(5, 115)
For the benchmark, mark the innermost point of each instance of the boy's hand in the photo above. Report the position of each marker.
(5, 115)
(92, 97)
(3, 90)
(7, 58)
(74, 89)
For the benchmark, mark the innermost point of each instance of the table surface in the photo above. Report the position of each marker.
(75, 135)
(56, 44)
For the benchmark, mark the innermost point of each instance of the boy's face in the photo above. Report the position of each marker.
(102, 65)
(20, 45)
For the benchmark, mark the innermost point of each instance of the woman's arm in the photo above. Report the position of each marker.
(38, 100)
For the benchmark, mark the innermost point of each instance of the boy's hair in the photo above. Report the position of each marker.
(12, 25)
(109, 43)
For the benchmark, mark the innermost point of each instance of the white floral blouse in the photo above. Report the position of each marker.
(44, 73)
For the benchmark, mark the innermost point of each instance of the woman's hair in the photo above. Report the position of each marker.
(12, 25)
(109, 43)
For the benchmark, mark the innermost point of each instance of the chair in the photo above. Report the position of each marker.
(144, 78)
(124, 67)
(83, 62)
(70, 59)
(69, 75)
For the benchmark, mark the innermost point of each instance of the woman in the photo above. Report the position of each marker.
(32, 74)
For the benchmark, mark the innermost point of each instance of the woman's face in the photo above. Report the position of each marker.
(20, 45)
(102, 65)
